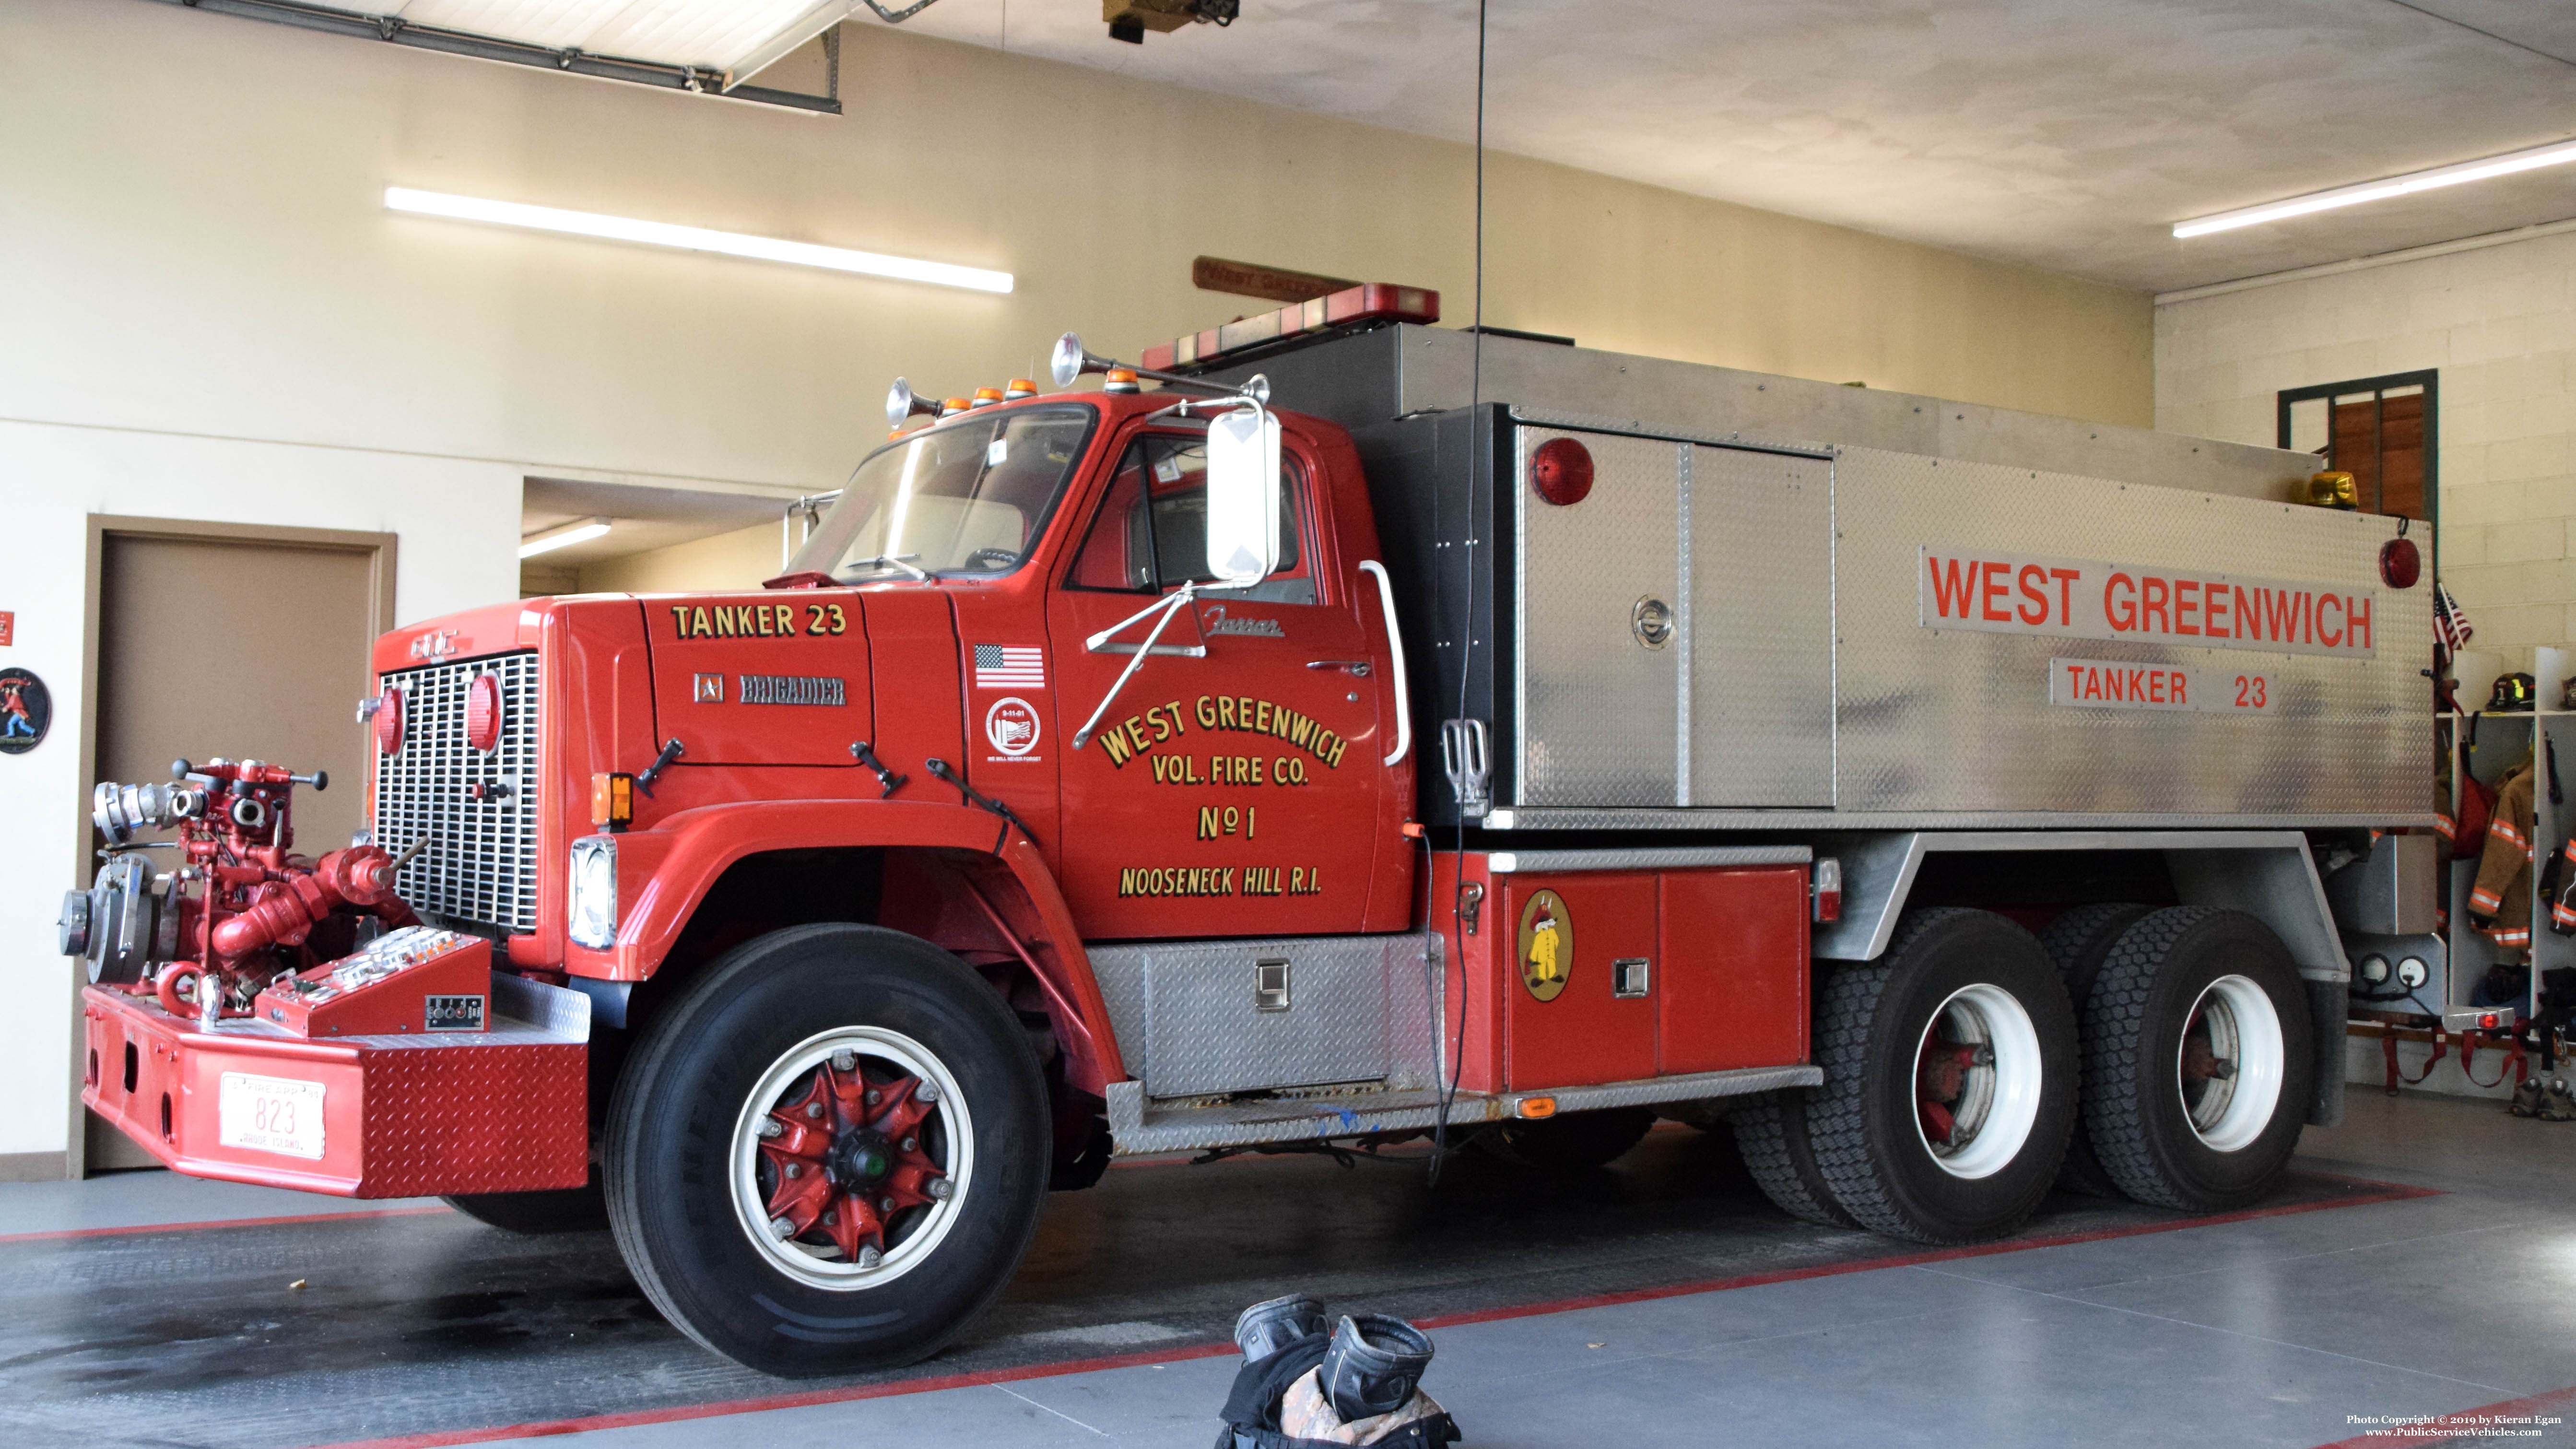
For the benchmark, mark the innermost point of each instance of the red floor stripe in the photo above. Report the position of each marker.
(400, 1212)
(684, 1412)
(2384, 1192)
(2470, 1424)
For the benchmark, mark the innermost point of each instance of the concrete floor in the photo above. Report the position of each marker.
(1659, 1302)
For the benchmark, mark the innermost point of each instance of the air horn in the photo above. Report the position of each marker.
(1071, 361)
(901, 403)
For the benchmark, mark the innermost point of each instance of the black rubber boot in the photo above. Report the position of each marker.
(1373, 1365)
(1267, 1327)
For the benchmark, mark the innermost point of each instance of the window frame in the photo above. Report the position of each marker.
(1303, 500)
(2429, 379)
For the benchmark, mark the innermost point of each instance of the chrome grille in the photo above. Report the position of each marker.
(481, 864)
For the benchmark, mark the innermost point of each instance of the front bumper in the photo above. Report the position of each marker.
(365, 1116)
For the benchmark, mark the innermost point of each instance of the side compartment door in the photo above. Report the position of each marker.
(1232, 787)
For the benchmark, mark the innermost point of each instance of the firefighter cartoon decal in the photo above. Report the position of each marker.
(26, 711)
(1547, 945)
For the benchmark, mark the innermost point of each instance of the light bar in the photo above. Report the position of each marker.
(2553, 154)
(562, 536)
(691, 238)
(1368, 302)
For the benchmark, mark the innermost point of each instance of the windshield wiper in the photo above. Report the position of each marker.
(902, 561)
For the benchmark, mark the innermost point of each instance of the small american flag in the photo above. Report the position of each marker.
(2450, 620)
(1004, 666)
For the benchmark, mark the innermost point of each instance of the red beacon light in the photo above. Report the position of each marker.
(1561, 471)
(389, 721)
(987, 396)
(483, 713)
(1020, 387)
(2401, 563)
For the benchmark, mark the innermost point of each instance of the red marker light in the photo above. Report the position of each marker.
(389, 721)
(1561, 471)
(483, 712)
(2401, 563)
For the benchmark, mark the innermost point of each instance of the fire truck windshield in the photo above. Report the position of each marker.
(965, 497)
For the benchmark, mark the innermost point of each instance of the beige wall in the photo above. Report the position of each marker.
(737, 560)
(211, 315)
(2495, 322)
(217, 258)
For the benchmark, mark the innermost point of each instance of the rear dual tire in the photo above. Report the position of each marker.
(2197, 1063)
(2079, 941)
(1949, 1080)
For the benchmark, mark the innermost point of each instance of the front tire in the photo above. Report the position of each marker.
(829, 1154)
(1949, 1080)
(2198, 1068)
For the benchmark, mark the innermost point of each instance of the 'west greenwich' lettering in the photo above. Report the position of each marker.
(2000, 593)
(1141, 732)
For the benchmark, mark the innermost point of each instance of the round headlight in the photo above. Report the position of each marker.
(2412, 972)
(2373, 969)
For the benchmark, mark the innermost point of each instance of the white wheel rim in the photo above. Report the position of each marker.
(2229, 1064)
(1997, 1102)
(914, 1233)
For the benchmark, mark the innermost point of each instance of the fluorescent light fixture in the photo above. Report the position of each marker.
(691, 238)
(562, 535)
(2554, 154)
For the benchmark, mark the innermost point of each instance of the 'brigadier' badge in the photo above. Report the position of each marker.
(26, 711)
(1547, 945)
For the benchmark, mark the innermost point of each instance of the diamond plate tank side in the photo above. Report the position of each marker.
(1762, 629)
(1599, 722)
(1932, 721)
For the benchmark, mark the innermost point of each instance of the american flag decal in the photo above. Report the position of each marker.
(1004, 666)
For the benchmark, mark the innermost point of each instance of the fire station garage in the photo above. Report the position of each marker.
(1287, 723)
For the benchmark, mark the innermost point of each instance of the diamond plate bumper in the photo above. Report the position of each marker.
(378, 1116)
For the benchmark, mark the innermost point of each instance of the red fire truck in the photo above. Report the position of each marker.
(1498, 741)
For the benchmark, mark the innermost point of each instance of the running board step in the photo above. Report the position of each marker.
(1140, 1127)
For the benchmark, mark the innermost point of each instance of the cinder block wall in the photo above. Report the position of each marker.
(2495, 320)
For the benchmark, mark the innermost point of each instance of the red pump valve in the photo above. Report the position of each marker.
(284, 912)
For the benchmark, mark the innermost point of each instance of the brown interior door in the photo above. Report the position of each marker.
(245, 647)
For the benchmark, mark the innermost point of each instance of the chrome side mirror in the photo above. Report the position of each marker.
(1242, 496)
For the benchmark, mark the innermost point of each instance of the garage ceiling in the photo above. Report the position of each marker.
(2068, 134)
(717, 34)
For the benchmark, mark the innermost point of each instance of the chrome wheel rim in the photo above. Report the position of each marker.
(1977, 1081)
(2229, 1064)
(851, 1158)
